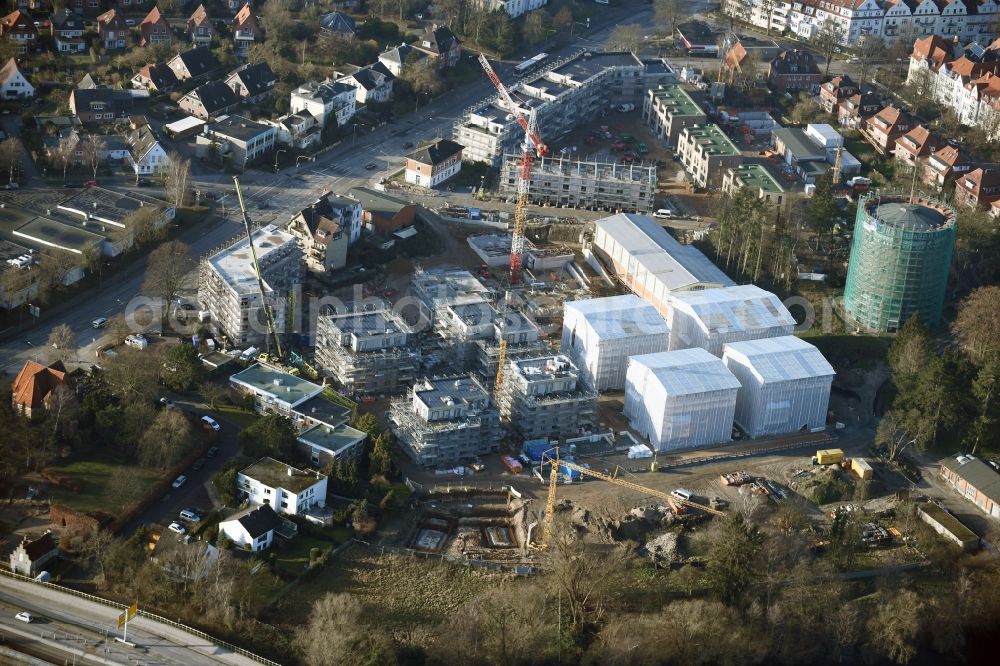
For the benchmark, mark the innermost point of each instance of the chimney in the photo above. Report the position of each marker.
(289, 471)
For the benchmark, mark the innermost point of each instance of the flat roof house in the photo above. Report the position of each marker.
(237, 139)
(284, 488)
(669, 109)
(706, 152)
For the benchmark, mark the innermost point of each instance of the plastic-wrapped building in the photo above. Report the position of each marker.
(712, 318)
(784, 385)
(680, 399)
(599, 334)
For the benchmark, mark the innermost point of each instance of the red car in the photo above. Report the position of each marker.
(618, 145)
(90, 183)
(589, 139)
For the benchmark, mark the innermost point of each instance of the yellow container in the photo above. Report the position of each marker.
(829, 456)
(862, 468)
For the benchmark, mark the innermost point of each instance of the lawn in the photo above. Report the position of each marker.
(237, 414)
(107, 484)
(295, 558)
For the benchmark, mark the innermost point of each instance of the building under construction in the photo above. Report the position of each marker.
(544, 397)
(562, 181)
(367, 350)
(523, 341)
(443, 421)
(437, 288)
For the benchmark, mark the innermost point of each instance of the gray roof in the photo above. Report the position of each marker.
(199, 61)
(914, 217)
(687, 371)
(162, 76)
(781, 359)
(265, 379)
(257, 79)
(67, 20)
(458, 390)
(142, 141)
(436, 152)
(799, 143)
(337, 22)
(400, 53)
(976, 473)
(258, 520)
(325, 91)
(373, 76)
(215, 96)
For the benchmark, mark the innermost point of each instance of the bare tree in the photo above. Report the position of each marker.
(64, 152)
(626, 37)
(669, 13)
(336, 635)
(142, 226)
(178, 174)
(166, 440)
(826, 40)
(94, 149)
(212, 393)
(10, 155)
(894, 625)
(118, 329)
(168, 266)
(12, 282)
(62, 343)
(977, 325)
(131, 374)
(62, 411)
(125, 486)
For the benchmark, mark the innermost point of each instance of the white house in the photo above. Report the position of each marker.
(12, 82)
(514, 8)
(321, 99)
(431, 165)
(146, 155)
(298, 130)
(284, 488)
(253, 527)
(372, 84)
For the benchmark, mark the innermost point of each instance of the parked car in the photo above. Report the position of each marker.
(209, 422)
(664, 214)
(144, 182)
(190, 515)
(177, 527)
(179, 481)
(212, 452)
(370, 166)
(100, 322)
(90, 183)
(167, 403)
(25, 616)
(198, 464)
(12, 185)
(137, 341)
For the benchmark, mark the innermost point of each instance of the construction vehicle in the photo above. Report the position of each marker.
(268, 311)
(555, 463)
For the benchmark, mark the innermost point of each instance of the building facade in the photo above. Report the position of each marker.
(706, 152)
(286, 489)
(433, 164)
(545, 397)
(668, 109)
(558, 181)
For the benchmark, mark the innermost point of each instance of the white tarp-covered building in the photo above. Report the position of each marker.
(680, 399)
(714, 317)
(599, 334)
(784, 385)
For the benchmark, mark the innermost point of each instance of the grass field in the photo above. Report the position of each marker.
(103, 489)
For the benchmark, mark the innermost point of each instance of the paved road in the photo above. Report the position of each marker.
(76, 625)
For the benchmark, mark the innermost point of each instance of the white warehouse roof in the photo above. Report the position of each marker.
(773, 360)
(687, 371)
(617, 316)
(656, 252)
(733, 309)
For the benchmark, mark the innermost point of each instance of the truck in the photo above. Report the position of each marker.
(828, 457)
(513, 464)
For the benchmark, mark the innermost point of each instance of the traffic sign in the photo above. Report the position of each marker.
(122, 619)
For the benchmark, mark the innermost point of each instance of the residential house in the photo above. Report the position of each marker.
(68, 29)
(441, 45)
(394, 59)
(431, 165)
(338, 25)
(372, 84)
(35, 7)
(113, 30)
(100, 105)
(513, 8)
(31, 555)
(34, 385)
(19, 29)
(323, 232)
(246, 30)
(70, 137)
(154, 29)
(196, 63)
(975, 480)
(706, 152)
(13, 84)
(239, 139)
(155, 78)
(298, 130)
(882, 129)
(199, 27)
(235, 6)
(916, 145)
(252, 83)
(284, 488)
(858, 108)
(383, 214)
(793, 70)
(321, 100)
(88, 83)
(252, 528)
(85, 7)
(325, 444)
(209, 100)
(944, 163)
(146, 155)
(978, 188)
(835, 91)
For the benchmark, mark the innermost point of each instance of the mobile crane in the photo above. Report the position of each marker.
(555, 463)
(268, 311)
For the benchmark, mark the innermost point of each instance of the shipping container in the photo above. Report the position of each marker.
(534, 448)
(862, 468)
(570, 475)
(829, 456)
(512, 464)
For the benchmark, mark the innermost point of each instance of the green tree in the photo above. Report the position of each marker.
(731, 570)
(182, 369)
(986, 390)
(270, 435)
(823, 211)
(380, 459)
(977, 324)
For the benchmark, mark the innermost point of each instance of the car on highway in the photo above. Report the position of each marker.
(25, 616)
(209, 422)
(100, 322)
(177, 527)
(212, 452)
(370, 166)
(179, 481)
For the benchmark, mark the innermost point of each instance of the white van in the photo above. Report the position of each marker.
(249, 353)
(137, 341)
(682, 494)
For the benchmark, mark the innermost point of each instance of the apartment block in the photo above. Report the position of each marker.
(437, 288)
(668, 110)
(560, 181)
(544, 397)
(367, 349)
(445, 421)
(706, 152)
(573, 92)
(522, 336)
(757, 178)
(228, 286)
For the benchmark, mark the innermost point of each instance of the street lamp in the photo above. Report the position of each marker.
(276, 155)
(387, 165)
(311, 158)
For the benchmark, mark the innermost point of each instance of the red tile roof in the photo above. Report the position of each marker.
(36, 382)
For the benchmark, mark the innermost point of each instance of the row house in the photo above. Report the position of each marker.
(252, 83)
(155, 78)
(197, 63)
(858, 108)
(963, 79)
(882, 129)
(246, 31)
(915, 146)
(100, 105)
(979, 188)
(209, 100)
(835, 91)
(154, 29)
(113, 30)
(19, 29)
(943, 164)
(68, 29)
(199, 27)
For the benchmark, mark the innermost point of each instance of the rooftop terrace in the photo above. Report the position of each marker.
(678, 100)
(756, 176)
(275, 474)
(713, 139)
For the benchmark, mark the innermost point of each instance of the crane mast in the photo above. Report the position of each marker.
(268, 312)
